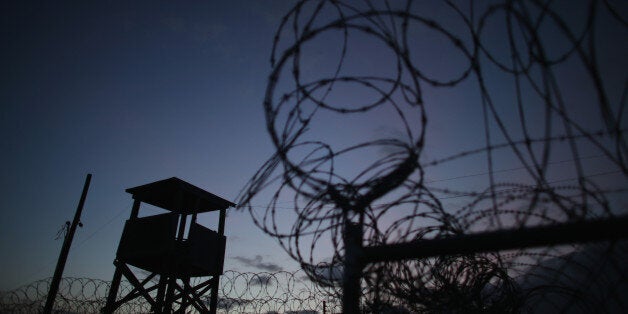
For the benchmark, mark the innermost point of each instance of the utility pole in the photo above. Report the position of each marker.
(65, 249)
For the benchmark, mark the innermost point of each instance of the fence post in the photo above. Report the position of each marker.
(352, 271)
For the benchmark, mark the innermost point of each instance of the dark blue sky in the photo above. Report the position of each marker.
(139, 91)
(132, 92)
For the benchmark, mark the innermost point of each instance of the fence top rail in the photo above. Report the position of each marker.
(575, 232)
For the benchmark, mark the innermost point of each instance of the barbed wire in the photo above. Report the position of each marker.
(541, 88)
(239, 292)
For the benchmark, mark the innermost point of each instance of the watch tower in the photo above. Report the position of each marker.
(172, 247)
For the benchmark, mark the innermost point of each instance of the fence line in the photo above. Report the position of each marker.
(239, 292)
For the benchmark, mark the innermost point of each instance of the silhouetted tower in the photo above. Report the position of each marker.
(161, 245)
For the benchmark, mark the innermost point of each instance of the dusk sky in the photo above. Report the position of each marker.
(132, 92)
(137, 91)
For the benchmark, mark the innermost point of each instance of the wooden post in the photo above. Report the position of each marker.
(113, 292)
(117, 275)
(65, 249)
(213, 302)
(161, 292)
(135, 211)
(221, 221)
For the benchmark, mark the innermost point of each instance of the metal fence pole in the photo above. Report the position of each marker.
(352, 271)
